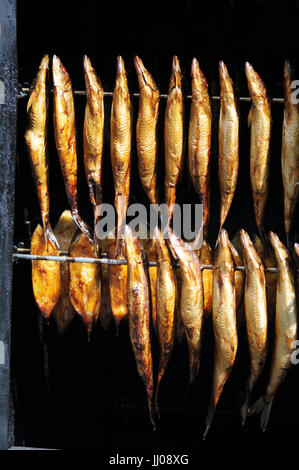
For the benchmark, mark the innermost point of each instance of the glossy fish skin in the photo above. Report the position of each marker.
(146, 130)
(290, 151)
(93, 135)
(117, 283)
(36, 140)
(191, 299)
(85, 282)
(139, 314)
(173, 136)
(224, 322)
(285, 330)
(259, 119)
(199, 139)
(228, 135)
(256, 315)
(120, 143)
(206, 257)
(166, 304)
(46, 280)
(63, 310)
(65, 137)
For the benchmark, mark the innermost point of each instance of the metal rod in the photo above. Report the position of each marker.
(25, 91)
(69, 259)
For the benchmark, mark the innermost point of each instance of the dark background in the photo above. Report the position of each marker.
(76, 395)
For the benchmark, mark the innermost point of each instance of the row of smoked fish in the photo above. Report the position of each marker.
(175, 300)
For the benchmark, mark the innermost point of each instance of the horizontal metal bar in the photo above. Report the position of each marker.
(25, 92)
(69, 259)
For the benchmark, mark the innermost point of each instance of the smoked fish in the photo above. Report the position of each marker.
(199, 139)
(120, 143)
(166, 305)
(173, 136)
(117, 283)
(255, 303)
(259, 119)
(206, 257)
(139, 314)
(228, 135)
(290, 151)
(191, 298)
(85, 282)
(63, 311)
(285, 330)
(146, 130)
(36, 140)
(93, 137)
(224, 322)
(46, 279)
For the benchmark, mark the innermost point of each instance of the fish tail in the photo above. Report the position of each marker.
(150, 408)
(194, 367)
(49, 235)
(263, 408)
(97, 241)
(121, 203)
(245, 406)
(81, 225)
(156, 405)
(209, 419)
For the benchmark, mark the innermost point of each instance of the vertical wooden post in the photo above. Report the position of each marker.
(8, 117)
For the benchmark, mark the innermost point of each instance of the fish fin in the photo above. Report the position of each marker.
(49, 235)
(262, 407)
(209, 420)
(81, 225)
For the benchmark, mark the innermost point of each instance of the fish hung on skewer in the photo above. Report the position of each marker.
(36, 140)
(63, 311)
(146, 130)
(173, 136)
(259, 120)
(46, 278)
(93, 137)
(85, 281)
(285, 330)
(228, 135)
(199, 139)
(65, 137)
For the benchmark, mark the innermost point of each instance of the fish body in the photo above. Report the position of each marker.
(173, 136)
(46, 279)
(63, 310)
(191, 299)
(290, 151)
(166, 304)
(139, 314)
(259, 119)
(199, 139)
(65, 137)
(285, 330)
(36, 140)
(239, 282)
(120, 143)
(85, 282)
(228, 135)
(224, 322)
(146, 130)
(93, 136)
(255, 303)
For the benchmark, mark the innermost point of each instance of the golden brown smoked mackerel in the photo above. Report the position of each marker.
(63, 310)
(224, 322)
(117, 283)
(290, 152)
(146, 130)
(120, 143)
(199, 139)
(85, 281)
(36, 140)
(65, 137)
(139, 314)
(46, 279)
(285, 330)
(173, 136)
(256, 316)
(93, 136)
(228, 135)
(166, 304)
(191, 298)
(259, 119)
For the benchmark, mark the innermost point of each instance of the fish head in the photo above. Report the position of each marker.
(255, 84)
(249, 251)
(61, 78)
(132, 246)
(160, 246)
(121, 75)
(281, 252)
(92, 81)
(199, 82)
(226, 83)
(296, 248)
(145, 80)
(176, 76)
(39, 86)
(223, 252)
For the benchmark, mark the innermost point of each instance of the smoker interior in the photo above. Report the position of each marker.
(66, 392)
